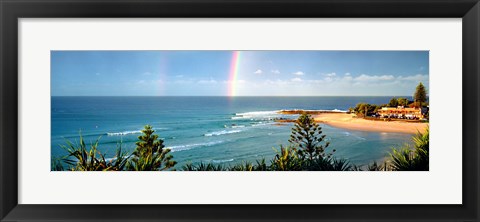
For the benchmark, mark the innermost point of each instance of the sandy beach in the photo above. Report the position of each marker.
(347, 121)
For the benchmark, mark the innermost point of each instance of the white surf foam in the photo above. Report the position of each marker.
(222, 161)
(223, 132)
(262, 124)
(124, 133)
(130, 132)
(194, 145)
(257, 115)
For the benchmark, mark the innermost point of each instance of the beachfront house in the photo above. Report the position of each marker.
(401, 112)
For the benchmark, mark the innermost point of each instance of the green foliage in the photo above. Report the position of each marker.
(248, 166)
(377, 167)
(351, 110)
(371, 167)
(393, 102)
(80, 158)
(244, 166)
(120, 160)
(261, 165)
(422, 143)
(307, 150)
(286, 160)
(408, 159)
(402, 102)
(150, 154)
(340, 165)
(57, 165)
(361, 108)
(420, 98)
(420, 94)
(328, 164)
(203, 167)
(307, 138)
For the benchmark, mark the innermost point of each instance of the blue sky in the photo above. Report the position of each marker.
(261, 73)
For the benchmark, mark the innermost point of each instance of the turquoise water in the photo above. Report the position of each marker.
(209, 129)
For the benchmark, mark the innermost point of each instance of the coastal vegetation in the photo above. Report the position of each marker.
(419, 101)
(307, 150)
(150, 153)
(81, 158)
(420, 94)
(417, 159)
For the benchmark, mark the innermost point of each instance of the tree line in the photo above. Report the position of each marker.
(419, 101)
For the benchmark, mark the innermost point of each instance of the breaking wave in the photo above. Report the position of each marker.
(258, 115)
(262, 124)
(222, 161)
(123, 133)
(194, 145)
(223, 132)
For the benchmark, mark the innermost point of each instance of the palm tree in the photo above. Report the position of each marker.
(286, 160)
(416, 159)
(80, 158)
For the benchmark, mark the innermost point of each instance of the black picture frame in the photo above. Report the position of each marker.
(11, 11)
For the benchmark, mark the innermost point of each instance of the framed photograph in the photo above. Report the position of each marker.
(266, 110)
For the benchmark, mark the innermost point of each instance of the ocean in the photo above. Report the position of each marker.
(222, 130)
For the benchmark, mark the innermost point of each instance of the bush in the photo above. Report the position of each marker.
(416, 159)
(80, 158)
(369, 108)
(287, 160)
(203, 167)
(393, 103)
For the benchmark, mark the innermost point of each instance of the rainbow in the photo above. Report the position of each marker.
(234, 68)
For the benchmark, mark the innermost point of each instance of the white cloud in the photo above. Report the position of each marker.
(328, 79)
(275, 71)
(179, 76)
(368, 78)
(97, 73)
(347, 78)
(299, 73)
(365, 80)
(330, 74)
(347, 74)
(418, 78)
(296, 80)
(337, 85)
(259, 71)
(147, 73)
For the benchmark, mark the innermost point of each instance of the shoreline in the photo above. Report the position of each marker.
(348, 121)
